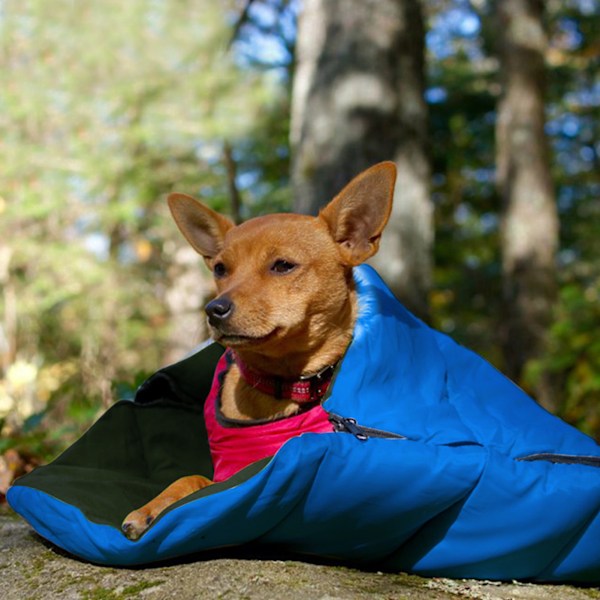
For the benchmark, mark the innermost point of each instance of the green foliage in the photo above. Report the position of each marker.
(463, 93)
(105, 108)
(574, 352)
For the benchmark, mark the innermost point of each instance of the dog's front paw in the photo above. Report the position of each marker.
(136, 523)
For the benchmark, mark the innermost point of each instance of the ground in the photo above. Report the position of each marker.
(31, 569)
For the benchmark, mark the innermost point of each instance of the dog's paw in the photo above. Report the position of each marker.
(136, 523)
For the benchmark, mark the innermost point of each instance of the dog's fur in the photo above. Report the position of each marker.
(286, 302)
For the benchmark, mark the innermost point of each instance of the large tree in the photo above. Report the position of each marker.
(358, 98)
(530, 222)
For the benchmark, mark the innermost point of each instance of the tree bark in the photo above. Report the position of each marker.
(358, 98)
(530, 221)
(235, 198)
(188, 291)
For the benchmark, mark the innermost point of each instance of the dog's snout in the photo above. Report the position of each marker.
(219, 310)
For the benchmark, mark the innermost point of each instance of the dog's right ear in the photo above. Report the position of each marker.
(201, 226)
(357, 215)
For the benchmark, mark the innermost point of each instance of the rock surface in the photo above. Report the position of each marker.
(31, 569)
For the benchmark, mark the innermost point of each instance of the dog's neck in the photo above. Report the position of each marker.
(306, 389)
(321, 344)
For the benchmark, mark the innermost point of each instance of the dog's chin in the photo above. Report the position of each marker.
(239, 340)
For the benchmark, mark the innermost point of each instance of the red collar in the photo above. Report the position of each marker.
(308, 388)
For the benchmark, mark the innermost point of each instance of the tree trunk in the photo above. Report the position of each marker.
(358, 98)
(188, 291)
(530, 221)
(235, 198)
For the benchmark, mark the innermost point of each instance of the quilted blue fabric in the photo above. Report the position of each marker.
(482, 482)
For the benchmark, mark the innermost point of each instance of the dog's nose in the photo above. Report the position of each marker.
(219, 310)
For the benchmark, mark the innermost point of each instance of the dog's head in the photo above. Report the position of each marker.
(284, 280)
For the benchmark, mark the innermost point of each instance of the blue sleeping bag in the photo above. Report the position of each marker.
(440, 466)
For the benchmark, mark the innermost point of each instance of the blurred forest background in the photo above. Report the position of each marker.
(490, 110)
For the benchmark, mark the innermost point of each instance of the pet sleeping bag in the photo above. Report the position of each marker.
(439, 466)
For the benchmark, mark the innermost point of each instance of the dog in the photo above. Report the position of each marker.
(285, 311)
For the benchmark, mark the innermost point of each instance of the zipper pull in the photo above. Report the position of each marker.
(348, 425)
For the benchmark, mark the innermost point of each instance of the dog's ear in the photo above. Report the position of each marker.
(357, 216)
(201, 226)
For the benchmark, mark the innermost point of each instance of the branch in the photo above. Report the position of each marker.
(242, 20)
(235, 198)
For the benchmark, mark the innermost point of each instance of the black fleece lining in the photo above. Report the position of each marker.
(138, 448)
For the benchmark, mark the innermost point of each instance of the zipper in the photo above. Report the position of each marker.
(563, 459)
(363, 433)
(360, 432)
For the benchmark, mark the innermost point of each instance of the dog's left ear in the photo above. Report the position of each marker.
(357, 216)
(201, 226)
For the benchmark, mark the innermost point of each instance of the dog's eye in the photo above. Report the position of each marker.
(219, 270)
(281, 266)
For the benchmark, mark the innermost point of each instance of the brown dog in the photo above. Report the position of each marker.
(286, 302)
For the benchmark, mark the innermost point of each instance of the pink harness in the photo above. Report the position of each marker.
(234, 447)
